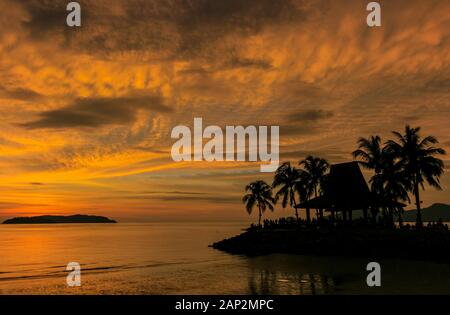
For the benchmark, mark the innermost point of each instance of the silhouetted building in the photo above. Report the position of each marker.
(345, 190)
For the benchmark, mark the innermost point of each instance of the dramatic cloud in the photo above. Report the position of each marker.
(90, 109)
(20, 94)
(312, 115)
(96, 112)
(172, 29)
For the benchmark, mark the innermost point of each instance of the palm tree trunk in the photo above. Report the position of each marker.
(260, 214)
(319, 212)
(391, 217)
(400, 218)
(295, 204)
(373, 212)
(419, 214)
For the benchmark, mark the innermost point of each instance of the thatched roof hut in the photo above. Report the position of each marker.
(346, 189)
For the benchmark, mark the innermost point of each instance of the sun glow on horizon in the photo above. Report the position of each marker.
(87, 114)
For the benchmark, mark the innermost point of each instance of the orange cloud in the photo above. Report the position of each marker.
(88, 112)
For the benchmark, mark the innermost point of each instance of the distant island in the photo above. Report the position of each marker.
(433, 213)
(49, 219)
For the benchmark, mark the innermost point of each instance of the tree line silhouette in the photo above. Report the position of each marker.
(401, 167)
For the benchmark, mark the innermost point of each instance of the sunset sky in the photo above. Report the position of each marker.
(87, 112)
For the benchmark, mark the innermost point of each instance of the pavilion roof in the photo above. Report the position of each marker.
(347, 189)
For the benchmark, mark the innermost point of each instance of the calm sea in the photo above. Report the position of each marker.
(174, 258)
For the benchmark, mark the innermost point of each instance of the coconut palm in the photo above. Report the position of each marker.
(304, 190)
(416, 156)
(287, 178)
(259, 194)
(391, 182)
(314, 173)
(370, 153)
(370, 156)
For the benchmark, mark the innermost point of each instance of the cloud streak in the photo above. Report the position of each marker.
(97, 112)
(115, 88)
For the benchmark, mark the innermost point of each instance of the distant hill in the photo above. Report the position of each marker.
(432, 213)
(46, 219)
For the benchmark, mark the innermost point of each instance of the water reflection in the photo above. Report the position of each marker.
(264, 282)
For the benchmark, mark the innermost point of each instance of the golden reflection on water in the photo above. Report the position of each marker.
(174, 258)
(266, 282)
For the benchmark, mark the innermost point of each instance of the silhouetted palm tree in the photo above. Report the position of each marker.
(391, 182)
(370, 153)
(303, 190)
(417, 159)
(314, 173)
(259, 193)
(370, 156)
(287, 177)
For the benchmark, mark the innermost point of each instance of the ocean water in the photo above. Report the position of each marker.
(174, 258)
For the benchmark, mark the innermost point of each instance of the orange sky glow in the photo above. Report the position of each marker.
(87, 112)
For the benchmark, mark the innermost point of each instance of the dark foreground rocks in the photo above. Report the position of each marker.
(427, 245)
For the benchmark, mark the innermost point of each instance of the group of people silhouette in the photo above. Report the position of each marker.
(437, 225)
(291, 223)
